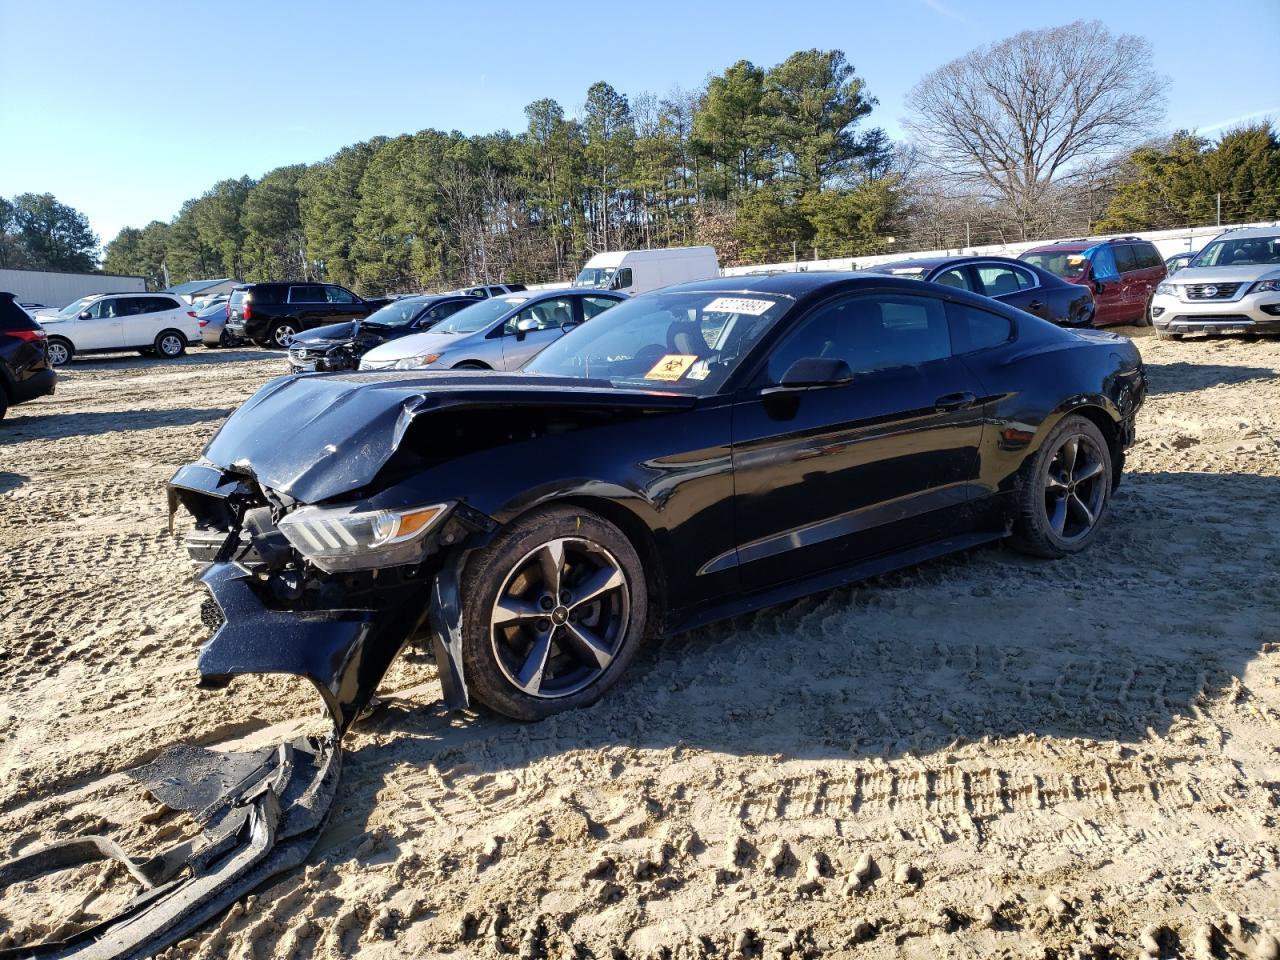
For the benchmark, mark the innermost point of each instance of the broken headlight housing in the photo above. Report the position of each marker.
(339, 539)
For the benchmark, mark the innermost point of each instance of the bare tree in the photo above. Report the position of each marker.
(1013, 117)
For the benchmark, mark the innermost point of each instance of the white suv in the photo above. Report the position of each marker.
(151, 323)
(1232, 286)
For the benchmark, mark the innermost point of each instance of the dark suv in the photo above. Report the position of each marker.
(270, 314)
(24, 366)
(1123, 274)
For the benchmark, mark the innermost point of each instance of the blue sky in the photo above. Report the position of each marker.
(125, 110)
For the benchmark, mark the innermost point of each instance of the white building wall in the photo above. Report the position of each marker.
(55, 289)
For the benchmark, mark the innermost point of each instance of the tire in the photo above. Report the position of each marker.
(59, 351)
(498, 656)
(471, 365)
(170, 344)
(1064, 497)
(1145, 320)
(1165, 335)
(4, 403)
(281, 333)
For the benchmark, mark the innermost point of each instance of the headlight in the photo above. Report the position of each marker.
(413, 363)
(1165, 287)
(1265, 286)
(345, 538)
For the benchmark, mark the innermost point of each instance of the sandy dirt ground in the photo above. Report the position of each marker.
(985, 756)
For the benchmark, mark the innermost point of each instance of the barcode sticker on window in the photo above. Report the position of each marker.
(747, 305)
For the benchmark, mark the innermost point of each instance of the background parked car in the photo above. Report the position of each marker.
(496, 334)
(151, 323)
(270, 314)
(1232, 286)
(1021, 285)
(213, 323)
(24, 367)
(339, 346)
(493, 290)
(634, 272)
(1123, 274)
(1178, 261)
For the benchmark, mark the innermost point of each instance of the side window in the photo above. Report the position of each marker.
(955, 277)
(1125, 260)
(132, 306)
(105, 309)
(591, 306)
(622, 279)
(448, 309)
(548, 315)
(1149, 256)
(307, 295)
(159, 305)
(869, 333)
(975, 329)
(998, 280)
(1104, 263)
(339, 295)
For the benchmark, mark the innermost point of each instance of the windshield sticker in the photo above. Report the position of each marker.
(747, 305)
(671, 367)
(699, 371)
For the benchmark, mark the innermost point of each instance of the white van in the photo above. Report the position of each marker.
(639, 271)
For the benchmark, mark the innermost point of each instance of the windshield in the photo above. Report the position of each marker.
(399, 313)
(478, 316)
(1244, 251)
(74, 309)
(595, 277)
(689, 342)
(1069, 266)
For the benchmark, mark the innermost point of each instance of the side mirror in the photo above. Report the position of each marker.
(84, 315)
(527, 325)
(809, 372)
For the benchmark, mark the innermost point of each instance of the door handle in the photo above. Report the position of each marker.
(955, 401)
(1036, 304)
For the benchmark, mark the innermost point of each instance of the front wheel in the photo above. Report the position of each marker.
(59, 351)
(552, 612)
(1145, 320)
(1065, 490)
(170, 344)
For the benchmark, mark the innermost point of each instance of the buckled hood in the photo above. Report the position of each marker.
(317, 436)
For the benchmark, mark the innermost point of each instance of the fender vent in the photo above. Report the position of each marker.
(211, 614)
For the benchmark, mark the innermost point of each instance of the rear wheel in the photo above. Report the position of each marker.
(552, 612)
(282, 333)
(1145, 320)
(59, 351)
(170, 344)
(1065, 491)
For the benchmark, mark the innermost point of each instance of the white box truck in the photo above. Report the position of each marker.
(638, 271)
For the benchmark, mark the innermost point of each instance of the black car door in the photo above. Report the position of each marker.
(342, 304)
(1014, 286)
(830, 476)
(308, 306)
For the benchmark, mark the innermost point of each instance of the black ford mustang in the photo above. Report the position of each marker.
(1015, 282)
(714, 447)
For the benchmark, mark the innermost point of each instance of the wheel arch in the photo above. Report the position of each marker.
(1102, 415)
(637, 531)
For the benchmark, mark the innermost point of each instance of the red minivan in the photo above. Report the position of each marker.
(1123, 274)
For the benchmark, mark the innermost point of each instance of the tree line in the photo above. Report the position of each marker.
(39, 233)
(1045, 133)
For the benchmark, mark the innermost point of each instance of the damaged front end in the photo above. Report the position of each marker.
(329, 593)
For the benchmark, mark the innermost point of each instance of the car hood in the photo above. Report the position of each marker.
(414, 345)
(330, 333)
(1239, 273)
(316, 436)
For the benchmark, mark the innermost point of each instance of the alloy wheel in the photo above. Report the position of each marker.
(560, 617)
(56, 353)
(170, 345)
(284, 334)
(1075, 487)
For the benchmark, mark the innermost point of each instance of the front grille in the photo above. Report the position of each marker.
(1211, 291)
(304, 355)
(1213, 318)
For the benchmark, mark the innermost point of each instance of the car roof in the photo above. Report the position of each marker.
(1250, 233)
(933, 263)
(795, 284)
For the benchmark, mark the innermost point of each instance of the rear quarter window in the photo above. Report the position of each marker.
(976, 329)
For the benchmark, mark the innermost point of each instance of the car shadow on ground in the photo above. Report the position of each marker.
(1111, 645)
(194, 357)
(1185, 377)
(11, 481)
(51, 426)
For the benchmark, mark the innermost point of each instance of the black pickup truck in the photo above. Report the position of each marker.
(270, 314)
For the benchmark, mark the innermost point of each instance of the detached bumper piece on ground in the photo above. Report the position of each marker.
(260, 814)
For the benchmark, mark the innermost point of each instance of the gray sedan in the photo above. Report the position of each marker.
(496, 334)
(212, 318)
